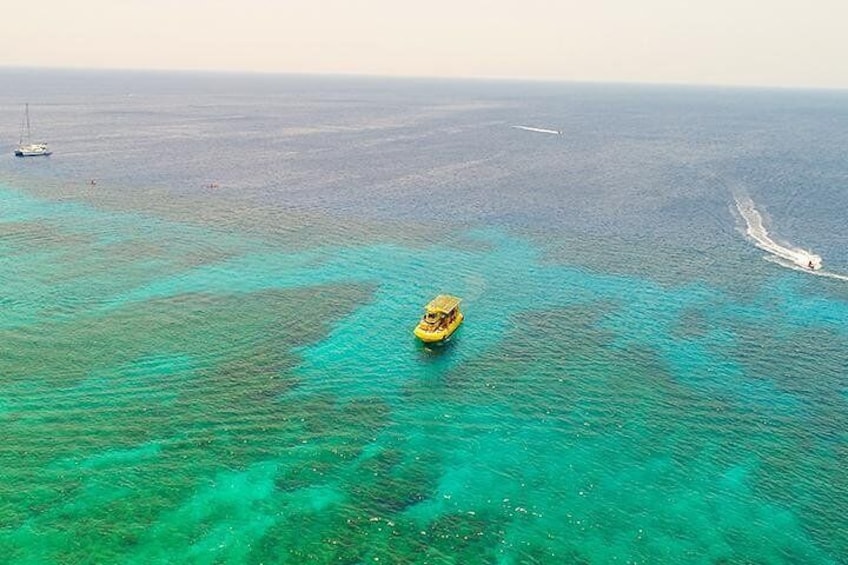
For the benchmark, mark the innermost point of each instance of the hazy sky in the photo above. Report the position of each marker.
(744, 42)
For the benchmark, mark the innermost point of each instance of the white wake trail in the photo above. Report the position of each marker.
(793, 257)
(831, 275)
(539, 130)
(794, 267)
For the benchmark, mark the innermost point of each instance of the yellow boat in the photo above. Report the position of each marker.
(441, 318)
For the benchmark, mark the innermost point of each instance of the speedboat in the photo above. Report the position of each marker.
(441, 319)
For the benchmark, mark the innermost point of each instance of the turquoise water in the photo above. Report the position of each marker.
(201, 376)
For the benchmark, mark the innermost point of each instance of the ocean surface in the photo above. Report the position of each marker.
(209, 290)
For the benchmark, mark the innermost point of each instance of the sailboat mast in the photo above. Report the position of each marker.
(26, 110)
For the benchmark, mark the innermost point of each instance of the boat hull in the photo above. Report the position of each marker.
(26, 154)
(33, 150)
(441, 334)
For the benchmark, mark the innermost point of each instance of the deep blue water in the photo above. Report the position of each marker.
(207, 354)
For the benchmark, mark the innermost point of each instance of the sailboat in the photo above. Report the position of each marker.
(27, 148)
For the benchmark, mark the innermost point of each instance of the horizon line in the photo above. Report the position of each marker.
(467, 78)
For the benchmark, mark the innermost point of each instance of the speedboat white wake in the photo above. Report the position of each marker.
(757, 232)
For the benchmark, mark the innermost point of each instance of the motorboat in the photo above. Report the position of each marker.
(441, 319)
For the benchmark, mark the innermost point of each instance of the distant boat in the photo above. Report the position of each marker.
(26, 148)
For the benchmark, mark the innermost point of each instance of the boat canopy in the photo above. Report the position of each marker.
(443, 304)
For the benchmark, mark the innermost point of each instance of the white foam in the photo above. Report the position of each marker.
(832, 275)
(539, 130)
(795, 267)
(794, 256)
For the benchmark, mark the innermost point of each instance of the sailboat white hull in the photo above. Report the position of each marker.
(32, 150)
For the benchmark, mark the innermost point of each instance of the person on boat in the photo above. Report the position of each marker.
(810, 265)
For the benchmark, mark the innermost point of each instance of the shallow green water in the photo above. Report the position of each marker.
(173, 392)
